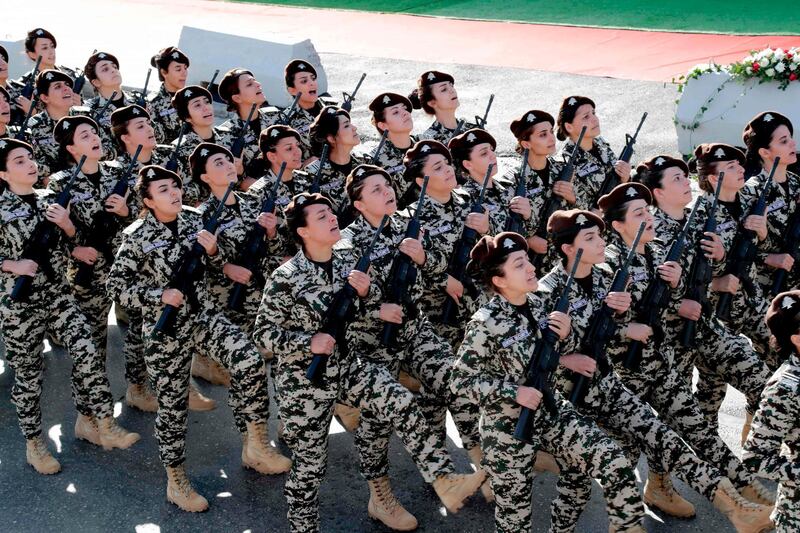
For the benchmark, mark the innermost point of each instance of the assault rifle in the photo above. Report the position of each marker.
(97, 115)
(543, 362)
(187, 271)
(172, 162)
(238, 143)
(141, 99)
(379, 149)
(515, 222)
(314, 188)
(287, 114)
(481, 121)
(22, 134)
(42, 241)
(612, 180)
(339, 312)
(791, 246)
(701, 272)
(347, 103)
(27, 89)
(403, 273)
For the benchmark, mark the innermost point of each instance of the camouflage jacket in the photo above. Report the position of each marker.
(118, 167)
(14, 90)
(95, 105)
(18, 223)
(191, 190)
(438, 132)
(590, 172)
(294, 308)
(144, 264)
(266, 117)
(45, 147)
(301, 121)
(391, 160)
(773, 447)
(496, 201)
(17, 85)
(163, 116)
(331, 181)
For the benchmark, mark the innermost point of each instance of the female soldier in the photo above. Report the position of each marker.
(333, 126)
(132, 127)
(50, 305)
(492, 361)
(607, 401)
(392, 112)
(288, 325)
(5, 113)
(776, 426)
(301, 77)
(173, 69)
(650, 373)
(9, 89)
(595, 158)
(769, 137)
(140, 278)
(436, 95)
(428, 357)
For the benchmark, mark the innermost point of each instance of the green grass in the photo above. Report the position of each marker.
(716, 16)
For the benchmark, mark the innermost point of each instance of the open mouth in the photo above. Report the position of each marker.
(96, 148)
(176, 202)
(390, 201)
(208, 116)
(312, 92)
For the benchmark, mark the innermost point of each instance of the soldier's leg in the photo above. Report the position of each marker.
(95, 305)
(574, 491)
(372, 442)
(710, 393)
(787, 510)
(133, 349)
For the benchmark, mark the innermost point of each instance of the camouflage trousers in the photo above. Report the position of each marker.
(634, 425)
(787, 509)
(427, 357)
(168, 362)
(729, 357)
(307, 410)
(671, 396)
(23, 330)
(133, 350)
(583, 452)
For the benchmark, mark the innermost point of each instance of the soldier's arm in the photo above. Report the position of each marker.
(126, 284)
(274, 330)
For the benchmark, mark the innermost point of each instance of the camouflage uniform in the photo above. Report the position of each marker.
(264, 118)
(292, 311)
(774, 443)
(438, 132)
(164, 117)
(490, 366)
(391, 160)
(657, 381)
(51, 306)
(104, 122)
(614, 408)
(140, 273)
(301, 122)
(18, 85)
(331, 182)
(718, 350)
(191, 190)
(426, 355)
(590, 170)
(45, 147)
(14, 90)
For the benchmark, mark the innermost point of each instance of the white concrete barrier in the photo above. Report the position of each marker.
(18, 62)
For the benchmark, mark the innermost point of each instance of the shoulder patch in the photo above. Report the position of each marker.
(133, 226)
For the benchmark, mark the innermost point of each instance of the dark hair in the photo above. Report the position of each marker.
(378, 116)
(526, 136)
(615, 214)
(30, 39)
(162, 60)
(564, 237)
(704, 170)
(414, 169)
(486, 271)
(420, 97)
(295, 220)
(753, 162)
(143, 190)
(320, 130)
(650, 178)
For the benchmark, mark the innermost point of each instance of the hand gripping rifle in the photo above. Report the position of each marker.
(701, 272)
(172, 162)
(104, 227)
(543, 362)
(187, 271)
(42, 240)
(458, 261)
(612, 180)
(238, 143)
(656, 298)
(314, 188)
(347, 103)
(141, 99)
(339, 312)
(255, 248)
(515, 222)
(403, 273)
(602, 328)
(744, 250)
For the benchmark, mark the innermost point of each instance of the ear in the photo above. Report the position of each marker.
(302, 231)
(205, 179)
(45, 99)
(568, 249)
(237, 98)
(617, 225)
(526, 145)
(500, 282)
(292, 91)
(31, 55)
(95, 83)
(271, 157)
(468, 165)
(71, 150)
(658, 195)
(359, 205)
(125, 138)
(569, 128)
(765, 153)
(382, 126)
(148, 202)
(796, 341)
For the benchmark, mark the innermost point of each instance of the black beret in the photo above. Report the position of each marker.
(384, 100)
(424, 149)
(760, 129)
(94, 59)
(326, 122)
(461, 145)
(522, 126)
(167, 55)
(8, 144)
(660, 163)
(625, 192)
(359, 174)
(150, 173)
(200, 156)
(715, 152)
(493, 250)
(567, 112)
(48, 77)
(65, 128)
(434, 76)
(39, 33)
(303, 200)
(573, 220)
(182, 98)
(129, 112)
(781, 316)
(269, 137)
(296, 66)
(229, 82)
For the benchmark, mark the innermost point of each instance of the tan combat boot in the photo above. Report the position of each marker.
(756, 492)
(476, 456)
(181, 493)
(86, 429)
(384, 506)
(545, 462)
(39, 456)
(198, 402)
(659, 493)
(259, 454)
(453, 489)
(211, 371)
(141, 397)
(348, 417)
(112, 435)
(748, 422)
(408, 381)
(746, 517)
